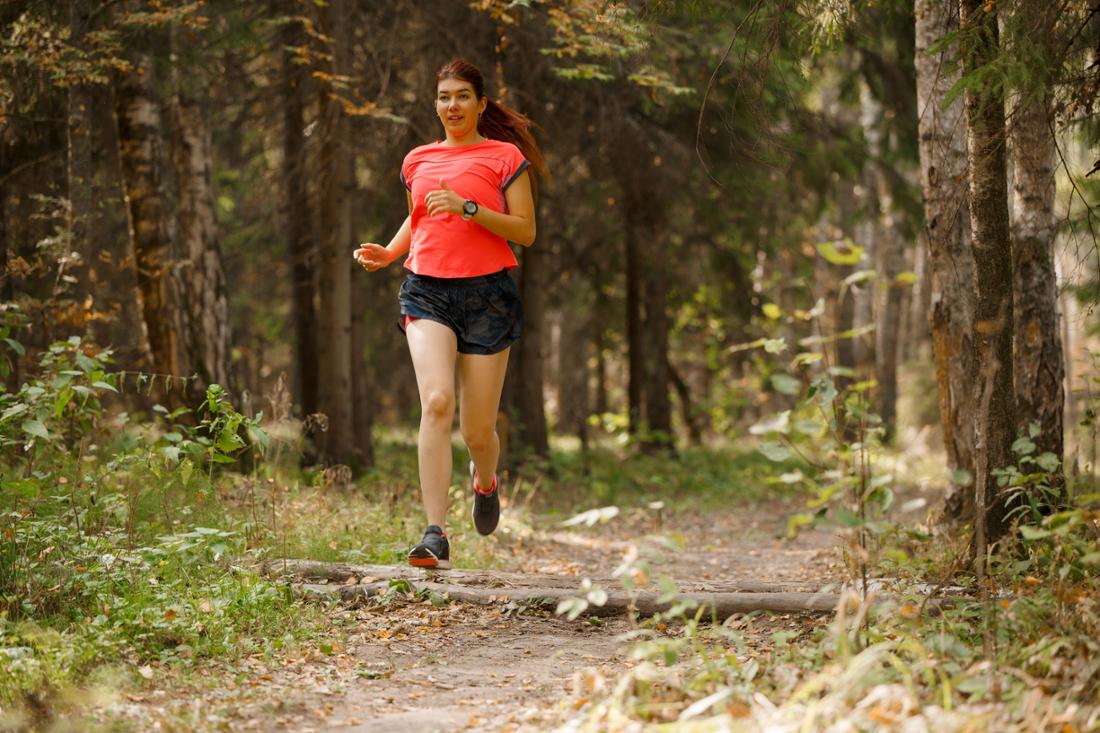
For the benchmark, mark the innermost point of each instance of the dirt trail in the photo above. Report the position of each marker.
(419, 667)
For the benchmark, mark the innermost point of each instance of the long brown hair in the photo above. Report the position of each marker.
(498, 122)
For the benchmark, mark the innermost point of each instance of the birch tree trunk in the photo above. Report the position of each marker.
(334, 317)
(1038, 370)
(890, 261)
(994, 418)
(140, 133)
(201, 278)
(947, 232)
(296, 214)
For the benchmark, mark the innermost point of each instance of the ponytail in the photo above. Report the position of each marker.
(501, 123)
(498, 122)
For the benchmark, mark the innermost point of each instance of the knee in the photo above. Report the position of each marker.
(479, 436)
(438, 405)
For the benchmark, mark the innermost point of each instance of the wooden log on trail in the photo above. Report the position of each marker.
(358, 583)
(716, 605)
(339, 572)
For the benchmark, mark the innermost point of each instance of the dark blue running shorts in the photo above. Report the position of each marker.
(484, 312)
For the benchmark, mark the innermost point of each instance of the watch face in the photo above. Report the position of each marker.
(469, 208)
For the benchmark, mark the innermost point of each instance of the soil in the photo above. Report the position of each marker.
(417, 666)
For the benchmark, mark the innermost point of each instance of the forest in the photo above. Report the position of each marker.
(800, 433)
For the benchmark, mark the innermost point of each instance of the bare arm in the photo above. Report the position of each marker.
(518, 225)
(374, 256)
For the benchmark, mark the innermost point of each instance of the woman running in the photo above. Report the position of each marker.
(468, 195)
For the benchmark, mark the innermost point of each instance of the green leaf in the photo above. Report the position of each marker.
(17, 409)
(104, 385)
(859, 276)
(775, 451)
(806, 357)
(772, 311)
(1034, 533)
(840, 252)
(1023, 447)
(823, 390)
(786, 384)
(905, 278)
(797, 521)
(36, 428)
(808, 427)
(776, 424)
(847, 517)
(1093, 558)
(16, 346)
(1048, 462)
(775, 346)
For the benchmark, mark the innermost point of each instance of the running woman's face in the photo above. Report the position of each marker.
(458, 106)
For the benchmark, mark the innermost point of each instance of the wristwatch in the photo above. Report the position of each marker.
(469, 209)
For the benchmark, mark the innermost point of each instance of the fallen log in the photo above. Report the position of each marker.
(715, 605)
(339, 572)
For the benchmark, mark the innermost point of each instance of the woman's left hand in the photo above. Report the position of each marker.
(443, 200)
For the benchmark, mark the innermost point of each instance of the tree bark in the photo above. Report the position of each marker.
(687, 408)
(635, 325)
(201, 278)
(296, 214)
(947, 233)
(890, 256)
(362, 375)
(658, 407)
(140, 135)
(528, 423)
(988, 202)
(573, 398)
(337, 171)
(1038, 369)
(80, 170)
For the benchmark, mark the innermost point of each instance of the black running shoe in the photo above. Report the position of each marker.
(486, 510)
(433, 551)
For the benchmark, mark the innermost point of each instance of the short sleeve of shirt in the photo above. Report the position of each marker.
(514, 166)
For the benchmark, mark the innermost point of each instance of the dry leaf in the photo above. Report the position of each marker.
(205, 606)
(146, 672)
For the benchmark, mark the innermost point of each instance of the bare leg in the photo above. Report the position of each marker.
(481, 379)
(433, 348)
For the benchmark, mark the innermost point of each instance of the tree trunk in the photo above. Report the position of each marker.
(890, 257)
(201, 278)
(687, 408)
(1038, 368)
(635, 326)
(994, 417)
(337, 171)
(573, 399)
(80, 169)
(601, 403)
(658, 408)
(140, 134)
(296, 215)
(947, 232)
(529, 420)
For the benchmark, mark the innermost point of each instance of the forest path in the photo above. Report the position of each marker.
(500, 667)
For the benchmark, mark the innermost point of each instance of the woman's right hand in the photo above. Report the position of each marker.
(372, 256)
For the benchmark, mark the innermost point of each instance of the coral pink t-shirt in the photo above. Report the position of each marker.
(446, 245)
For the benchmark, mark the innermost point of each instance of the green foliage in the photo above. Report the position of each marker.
(62, 403)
